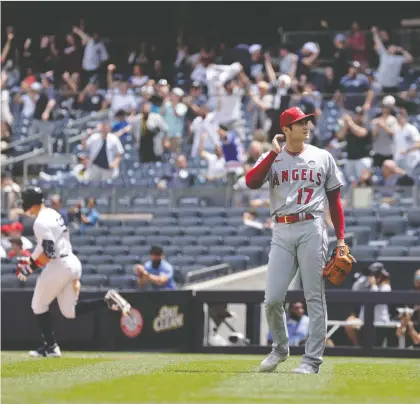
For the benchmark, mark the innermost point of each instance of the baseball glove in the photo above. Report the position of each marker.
(339, 266)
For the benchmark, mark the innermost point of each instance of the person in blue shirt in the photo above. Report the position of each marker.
(121, 127)
(89, 215)
(157, 273)
(297, 325)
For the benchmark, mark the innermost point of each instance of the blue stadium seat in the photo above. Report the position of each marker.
(210, 240)
(110, 222)
(392, 211)
(362, 233)
(185, 269)
(212, 212)
(8, 267)
(147, 231)
(108, 240)
(122, 231)
(208, 260)
(197, 231)
(414, 251)
(117, 250)
(235, 212)
(365, 252)
(96, 280)
(122, 282)
(31, 281)
(190, 221)
(81, 240)
(262, 241)
(100, 259)
(248, 231)
(393, 225)
(133, 241)
(109, 269)
(159, 240)
(214, 221)
(254, 253)
(171, 231)
(95, 231)
(194, 250)
(237, 262)
(140, 250)
(223, 231)
(186, 212)
(403, 240)
(164, 221)
(136, 223)
(89, 249)
(128, 260)
(236, 241)
(235, 220)
(222, 250)
(10, 281)
(393, 251)
(363, 212)
(89, 269)
(186, 240)
(182, 260)
(172, 250)
(413, 216)
(370, 221)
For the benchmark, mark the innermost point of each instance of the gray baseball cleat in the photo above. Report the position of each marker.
(116, 302)
(50, 351)
(305, 368)
(270, 363)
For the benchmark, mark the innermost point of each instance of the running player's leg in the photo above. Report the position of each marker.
(312, 255)
(282, 265)
(48, 286)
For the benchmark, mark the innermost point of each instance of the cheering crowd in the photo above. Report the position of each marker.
(216, 104)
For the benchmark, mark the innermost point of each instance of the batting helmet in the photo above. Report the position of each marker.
(32, 196)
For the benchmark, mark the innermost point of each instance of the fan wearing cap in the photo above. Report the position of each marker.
(301, 178)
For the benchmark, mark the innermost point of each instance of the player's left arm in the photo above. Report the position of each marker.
(163, 278)
(332, 187)
(43, 253)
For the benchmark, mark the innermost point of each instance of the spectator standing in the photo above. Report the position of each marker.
(105, 152)
(207, 126)
(71, 55)
(359, 144)
(261, 101)
(216, 168)
(342, 57)
(306, 58)
(148, 130)
(121, 98)
(384, 128)
(90, 100)
(406, 143)
(358, 44)
(95, 54)
(288, 61)
(121, 127)
(355, 88)
(138, 78)
(257, 66)
(157, 273)
(55, 203)
(173, 112)
(17, 249)
(391, 61)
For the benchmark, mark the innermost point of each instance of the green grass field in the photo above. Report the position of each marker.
(172, 378)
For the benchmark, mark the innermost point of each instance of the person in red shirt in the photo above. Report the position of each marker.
(17, 249)
(358, 44)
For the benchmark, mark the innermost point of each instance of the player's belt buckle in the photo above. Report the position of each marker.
(286, 220)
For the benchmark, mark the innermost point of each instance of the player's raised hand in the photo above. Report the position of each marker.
(276, 143)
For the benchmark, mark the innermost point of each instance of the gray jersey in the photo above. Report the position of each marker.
(299, 183)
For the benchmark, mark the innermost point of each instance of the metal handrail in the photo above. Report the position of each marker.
(22, 157)
(23, 141)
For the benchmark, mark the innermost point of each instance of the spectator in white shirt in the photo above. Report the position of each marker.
(406, 143)
(216, 168)
(391, 61)
(95, 54)
(105, 152)
(139, 78)
(120, 98)
(173, 112)
(209, 126)
(261, 102)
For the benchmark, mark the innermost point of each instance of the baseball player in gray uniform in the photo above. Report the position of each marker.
(61, 276)
(301, 178)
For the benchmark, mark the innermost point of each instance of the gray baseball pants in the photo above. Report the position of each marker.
(305, 245)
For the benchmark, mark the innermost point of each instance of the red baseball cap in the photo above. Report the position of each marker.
(293, 115)
(16, 226)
